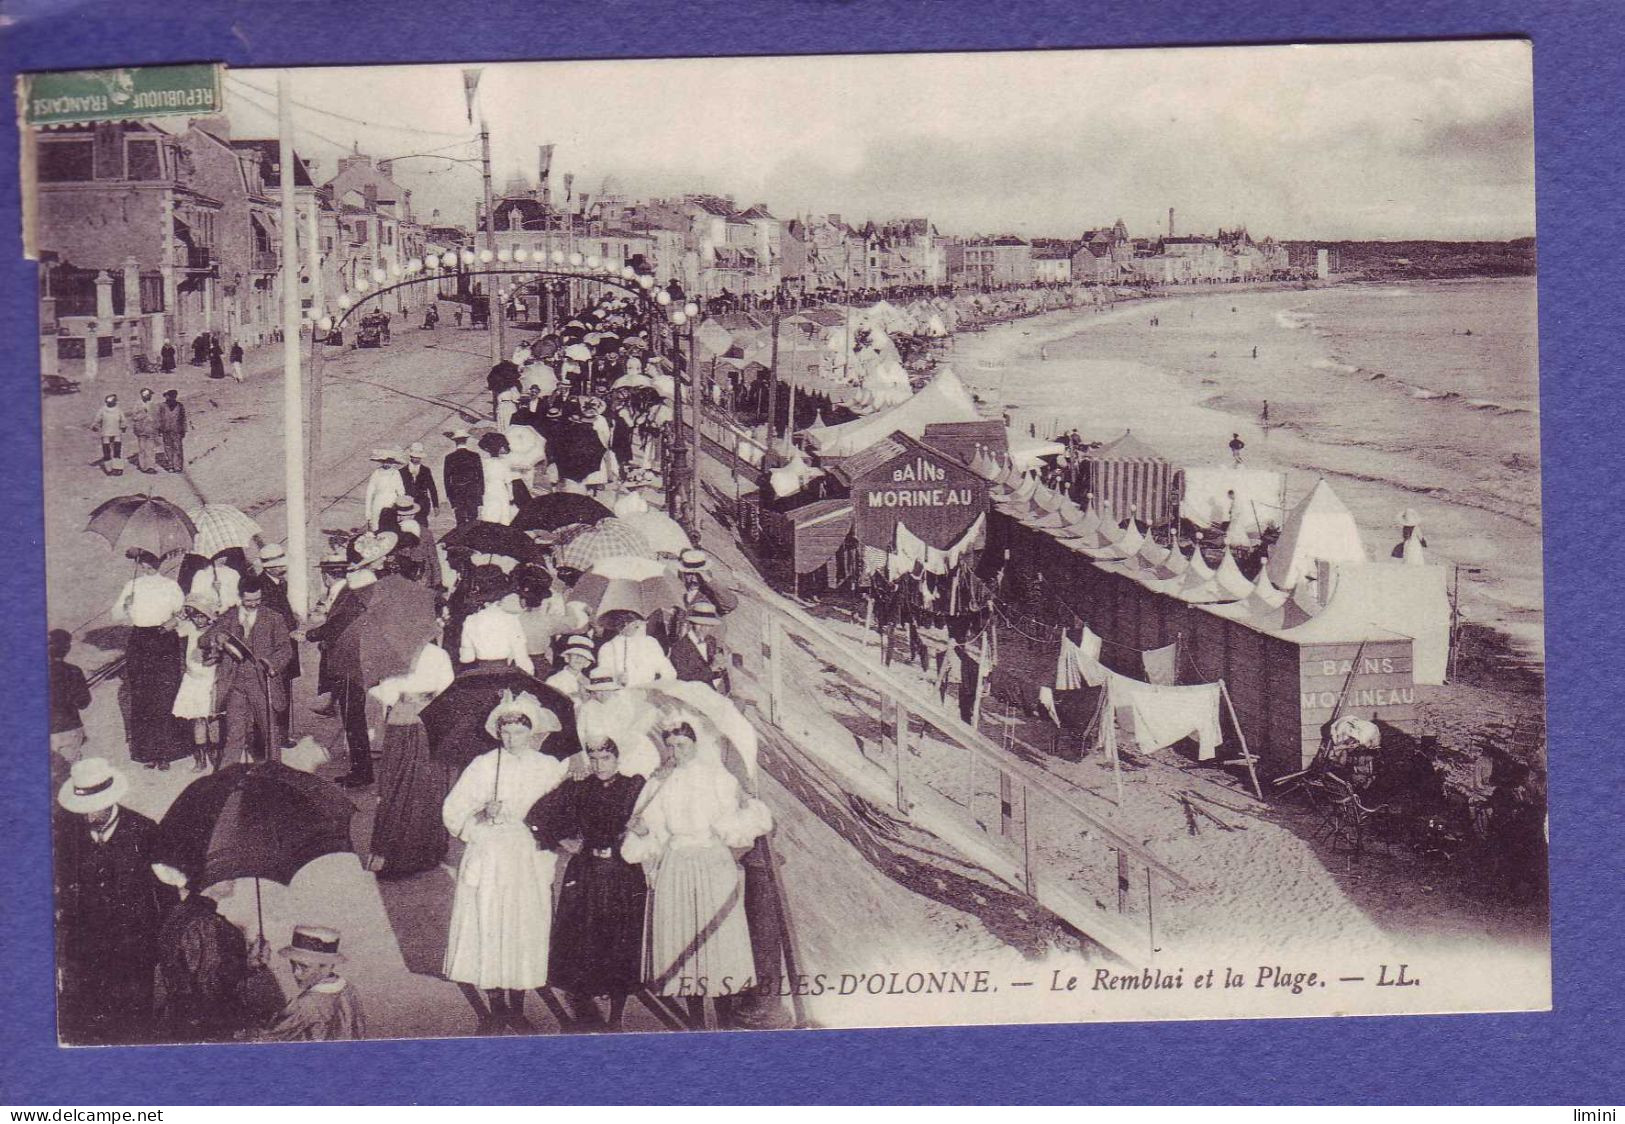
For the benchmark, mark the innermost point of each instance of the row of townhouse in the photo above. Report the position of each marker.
(145, 234)
(712, 247)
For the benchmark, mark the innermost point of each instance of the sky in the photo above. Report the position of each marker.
(1369, 141)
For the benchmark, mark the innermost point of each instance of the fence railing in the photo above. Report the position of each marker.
(1026, 826)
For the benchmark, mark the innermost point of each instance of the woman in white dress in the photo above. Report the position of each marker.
(496, 501)
(698, 941)
(502, 911)
(195, 701)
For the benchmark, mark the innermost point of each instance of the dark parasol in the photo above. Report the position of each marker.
(455, 718)
(554, 510)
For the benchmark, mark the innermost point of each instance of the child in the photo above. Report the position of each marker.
(197, 700)
(111, 424)
(327, 1006)
(69, 695)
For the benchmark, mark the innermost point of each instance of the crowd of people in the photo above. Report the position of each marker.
(587, 730)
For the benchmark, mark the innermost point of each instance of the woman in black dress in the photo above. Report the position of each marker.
(597, 942)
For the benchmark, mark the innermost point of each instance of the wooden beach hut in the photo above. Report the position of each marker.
(1128, 477)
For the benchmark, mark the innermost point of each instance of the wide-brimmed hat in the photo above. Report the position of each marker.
(580, 645)
(407, 504)
(703, 612)
(555, 409)
(541, 721)
(458, 434)
(637, 478)
(415, 449)
(693, 561)
(314, 944)
(388, 456)
(272, 554)
(147, 557)
(602, 680)
(373, 546)
(92, 785)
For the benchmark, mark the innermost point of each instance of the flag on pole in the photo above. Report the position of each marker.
(545, 166)
(471, 83)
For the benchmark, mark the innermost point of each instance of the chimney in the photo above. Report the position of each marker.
(1170, 222)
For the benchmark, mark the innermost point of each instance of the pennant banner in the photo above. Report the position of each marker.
(471, 83)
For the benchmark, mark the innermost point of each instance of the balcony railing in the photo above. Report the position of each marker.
(264, 261)
(194, 257)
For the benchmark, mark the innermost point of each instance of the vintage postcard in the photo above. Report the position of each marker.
(843, 541)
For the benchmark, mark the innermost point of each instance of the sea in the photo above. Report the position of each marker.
(1418, 395)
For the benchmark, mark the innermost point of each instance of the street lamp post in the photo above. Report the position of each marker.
(496, 314)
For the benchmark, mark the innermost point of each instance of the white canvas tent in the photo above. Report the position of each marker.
(943, 399)
(1320, 529)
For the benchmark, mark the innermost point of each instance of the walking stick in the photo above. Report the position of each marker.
(259, 908)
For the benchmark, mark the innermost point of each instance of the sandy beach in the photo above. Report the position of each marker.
(1415, 426)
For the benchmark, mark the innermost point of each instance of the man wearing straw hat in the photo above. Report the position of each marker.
(328, 1007)
(109, 909)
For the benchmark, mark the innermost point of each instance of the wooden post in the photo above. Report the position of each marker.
(1246, 754)
(773, 649)
(1026, 846)
(1006, 809)
(981, 681)
(1150, 915)
(1108, 739)
(1122, 882)
(900, 750)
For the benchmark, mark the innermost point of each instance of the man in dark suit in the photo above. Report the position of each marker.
(465, 478)
(274, 574)
(259, 651)
(697, 651)
(419, 480)
(109, 909)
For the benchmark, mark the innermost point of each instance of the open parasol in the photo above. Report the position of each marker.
(455, 718)
(253, 821)
(480, 537)
(639, 585)
(396, 620)
(595, 543)
(149, 523)
(663, 533)
(558, 509)
(221, 527)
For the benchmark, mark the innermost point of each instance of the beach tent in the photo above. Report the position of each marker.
(1205, 493)
(1408, 599)
(1129, 477)
(1320, 529)
(1026, 453)
(1229, 578)
(943, 399)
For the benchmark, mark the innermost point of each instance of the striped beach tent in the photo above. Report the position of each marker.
(1128, 477)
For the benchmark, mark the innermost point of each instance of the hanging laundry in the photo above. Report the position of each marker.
(1162, 665)
(1165, 715)
(1086, 658)
(1067, 675)
(1075, 710)
(1089, 645)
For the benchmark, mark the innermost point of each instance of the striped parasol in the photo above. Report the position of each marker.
(610, 538)
(221, 527)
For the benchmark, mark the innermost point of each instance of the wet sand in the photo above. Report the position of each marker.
(1185, 386)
